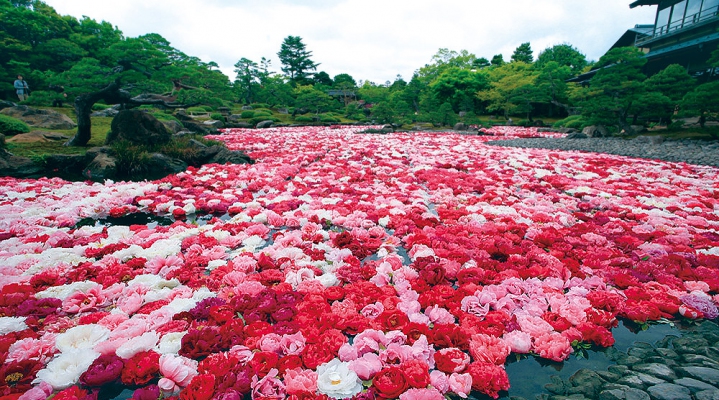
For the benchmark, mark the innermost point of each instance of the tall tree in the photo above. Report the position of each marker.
(565, 55)
(617, 85)
(497, 60)
(322, 78)
(523, 53)
(247, 79)
(295, 59)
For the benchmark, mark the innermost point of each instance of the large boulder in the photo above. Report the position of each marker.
(595, 131)
(161, 165)
(18, 167)
(6, 104)
(38, 137)
(38, 118)
(138, 127)
(173, 126)
(460, 126)
(265, 124)
(102, 167)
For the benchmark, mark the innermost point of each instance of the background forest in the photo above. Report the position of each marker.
(60, 55)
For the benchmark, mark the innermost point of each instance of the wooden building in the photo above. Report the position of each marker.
(684, 32)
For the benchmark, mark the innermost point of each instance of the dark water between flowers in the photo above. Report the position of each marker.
(527, 374)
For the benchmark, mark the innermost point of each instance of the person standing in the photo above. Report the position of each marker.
(21, 88)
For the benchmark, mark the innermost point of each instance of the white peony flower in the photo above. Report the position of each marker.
(64, 291)
(81, 337)
(65, 370)
(12, 324)
(170, 343)
(336, 380)
(137, 344)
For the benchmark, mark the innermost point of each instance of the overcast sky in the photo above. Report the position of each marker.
(369, 39)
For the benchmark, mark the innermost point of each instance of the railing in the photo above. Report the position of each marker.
(675, 26)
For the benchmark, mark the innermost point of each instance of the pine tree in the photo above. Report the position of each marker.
(295, 59)
(523, 53)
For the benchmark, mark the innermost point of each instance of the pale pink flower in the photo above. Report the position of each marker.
(40, 392)
(373, 310)
(395, 354)
(292, 344)
(243, 353)
(697, 285)
(347, 353)
(518, 341)
(137, 344)
(298, 381)
(439, 380)
(366, 366)
(268, 387)
(439, 315)
(422, 394)
(270, 342)
(80, 302)
(41, 349)
(460, 384)
(177, 372)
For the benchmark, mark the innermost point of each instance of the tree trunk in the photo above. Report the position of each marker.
(111, 94)
(83, 108)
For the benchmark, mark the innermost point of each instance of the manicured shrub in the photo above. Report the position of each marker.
(259, 105)
(247, 114)
(304, 118)
(12, 126)
(572, 121)
(41, 98)
(217, 116)
(328, 118)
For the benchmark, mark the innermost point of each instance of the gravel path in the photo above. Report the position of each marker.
(683, 150)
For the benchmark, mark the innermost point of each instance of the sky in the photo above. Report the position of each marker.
(372, 40)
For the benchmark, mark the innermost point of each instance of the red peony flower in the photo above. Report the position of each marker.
(141, 368)
(202, 387)
(105, 369)
(488, 378)
(416, 372)
(390, 383)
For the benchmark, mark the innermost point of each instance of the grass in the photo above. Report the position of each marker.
(100, 128)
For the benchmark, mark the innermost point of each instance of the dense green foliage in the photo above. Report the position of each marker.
(12, 126)
(60, 55)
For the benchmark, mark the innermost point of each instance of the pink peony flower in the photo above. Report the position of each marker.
(300, 381)
(422, 394)
(518, 341)
(177, 372)
(460, 384)
(489, 349)
(366, 366)
(553, 346)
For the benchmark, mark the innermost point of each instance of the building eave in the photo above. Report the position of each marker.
(643, 3)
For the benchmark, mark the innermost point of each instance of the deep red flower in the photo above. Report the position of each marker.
(202, 387)
(105, 369)
(141, 368)
(390, 382)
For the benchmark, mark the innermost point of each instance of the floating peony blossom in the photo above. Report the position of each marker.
(65, 370)
(336, 380)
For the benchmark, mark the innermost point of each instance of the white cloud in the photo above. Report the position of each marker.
(369, 39)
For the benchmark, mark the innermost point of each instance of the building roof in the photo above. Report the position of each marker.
(643, 3)
(631, 35)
